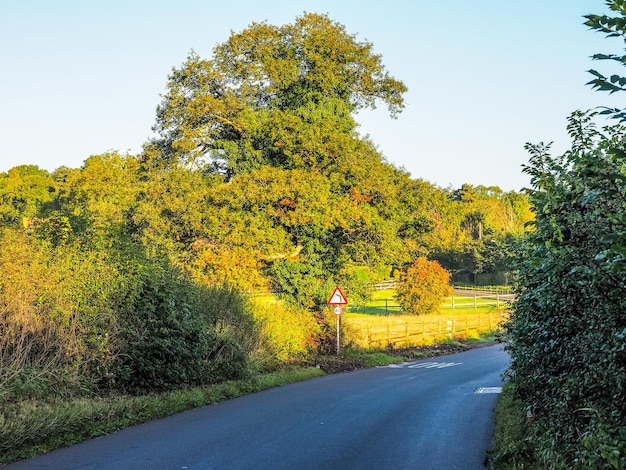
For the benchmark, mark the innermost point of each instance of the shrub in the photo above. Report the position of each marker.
(163, 342)
(57, 316)
(568, 331)
(423, 286)
(287, 332)
(233, 330)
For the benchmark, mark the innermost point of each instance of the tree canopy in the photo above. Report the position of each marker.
(283, 96)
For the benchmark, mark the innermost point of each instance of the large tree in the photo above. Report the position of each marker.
(273, 114)
(283, 96)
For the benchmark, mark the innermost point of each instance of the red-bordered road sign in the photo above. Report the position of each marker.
(337, 298)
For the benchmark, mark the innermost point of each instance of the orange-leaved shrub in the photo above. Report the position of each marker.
(423, 286)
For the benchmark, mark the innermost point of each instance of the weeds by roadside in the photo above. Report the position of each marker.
(511, 446)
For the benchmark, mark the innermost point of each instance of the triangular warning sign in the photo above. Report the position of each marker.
(337, 298)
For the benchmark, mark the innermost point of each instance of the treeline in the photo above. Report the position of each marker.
(146, 271)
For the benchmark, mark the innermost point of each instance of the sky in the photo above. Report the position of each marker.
(484, 77)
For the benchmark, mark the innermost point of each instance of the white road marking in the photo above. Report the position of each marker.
(424, 365)
(488, 390)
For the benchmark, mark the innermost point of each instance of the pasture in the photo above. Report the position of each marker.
(381, 322)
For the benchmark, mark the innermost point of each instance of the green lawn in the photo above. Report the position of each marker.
(384, 303)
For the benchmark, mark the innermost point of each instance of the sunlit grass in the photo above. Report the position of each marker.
(385, 303)
(381, 322)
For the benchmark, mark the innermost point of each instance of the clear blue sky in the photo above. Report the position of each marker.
(82, 77)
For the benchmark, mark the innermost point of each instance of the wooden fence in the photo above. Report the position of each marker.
(413, 331)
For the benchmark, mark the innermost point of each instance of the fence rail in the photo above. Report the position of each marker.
(391, 306)
(478, 290)
(416, 332)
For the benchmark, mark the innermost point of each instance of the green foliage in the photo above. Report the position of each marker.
(25, 192)
(423, 286)
(567, 334)
(273, 113)
(230, 320)
(58, 308)
(97, 198)
(302, 283)
(162, 342)
(272, 95)
(612, 27)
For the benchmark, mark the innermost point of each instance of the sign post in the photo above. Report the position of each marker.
(337, 299)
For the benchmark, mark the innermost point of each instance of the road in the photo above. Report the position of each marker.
(418, 415)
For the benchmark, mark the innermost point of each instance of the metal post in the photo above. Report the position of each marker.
(338, 330)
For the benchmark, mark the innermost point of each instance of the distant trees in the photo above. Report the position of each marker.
(25, 191)
(484, 226)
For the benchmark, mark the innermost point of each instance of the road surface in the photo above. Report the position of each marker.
(418, 415)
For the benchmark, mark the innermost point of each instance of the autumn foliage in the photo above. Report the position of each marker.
(424, 284)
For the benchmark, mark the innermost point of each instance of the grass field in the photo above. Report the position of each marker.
(380, 323)
(384, 303)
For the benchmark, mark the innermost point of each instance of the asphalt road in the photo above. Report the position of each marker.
(419, 415)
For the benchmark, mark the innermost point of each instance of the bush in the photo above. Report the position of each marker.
(423, 286)
(228, 313)
(568, 330)
(57, 316)
(163, 342)
(287, 332)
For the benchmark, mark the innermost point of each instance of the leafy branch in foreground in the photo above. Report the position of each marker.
(613, 27)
